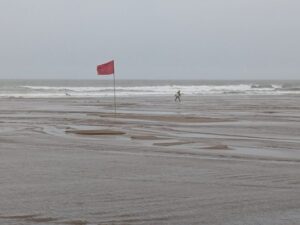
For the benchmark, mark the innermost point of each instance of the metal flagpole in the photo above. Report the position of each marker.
(115, 93)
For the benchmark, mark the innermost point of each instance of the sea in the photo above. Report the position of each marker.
(134, 88)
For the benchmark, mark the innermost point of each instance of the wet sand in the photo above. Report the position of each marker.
(231, 160)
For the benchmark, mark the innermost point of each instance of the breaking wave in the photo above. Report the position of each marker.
(54, 91)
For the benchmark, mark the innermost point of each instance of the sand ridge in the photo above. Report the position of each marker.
(96, 132)
(166, 118)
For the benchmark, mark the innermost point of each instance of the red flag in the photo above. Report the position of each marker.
(106, 68)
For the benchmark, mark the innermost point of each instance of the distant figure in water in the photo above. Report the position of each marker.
(178, 96)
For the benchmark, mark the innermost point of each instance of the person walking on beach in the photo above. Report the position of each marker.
(178, 96)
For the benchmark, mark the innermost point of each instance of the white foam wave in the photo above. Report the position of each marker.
(163, 90)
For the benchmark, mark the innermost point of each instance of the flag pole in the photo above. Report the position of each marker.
(115, 93)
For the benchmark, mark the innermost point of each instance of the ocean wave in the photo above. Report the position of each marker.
(40, 91)
(162, 88)
(266, 86)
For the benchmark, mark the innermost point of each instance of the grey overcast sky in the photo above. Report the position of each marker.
(150, 39)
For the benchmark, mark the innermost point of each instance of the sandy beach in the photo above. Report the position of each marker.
(215, 160)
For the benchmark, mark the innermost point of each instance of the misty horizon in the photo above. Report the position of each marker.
(207, 40)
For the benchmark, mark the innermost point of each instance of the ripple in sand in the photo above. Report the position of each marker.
(95, 132)
(76, 222)
(147, 137)
(218, 147)
(167, 118)
(173, 143)
(42, 219)
(30, 218)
